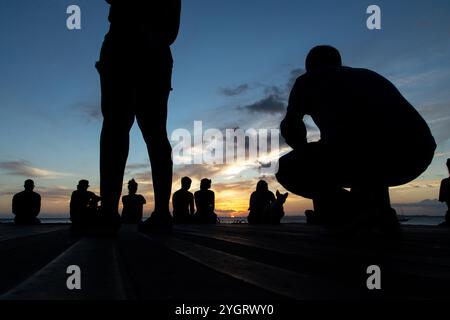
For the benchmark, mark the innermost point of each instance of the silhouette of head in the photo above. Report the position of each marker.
(132, 186)
(83, 185)
(262, 186)
(448, 165)
(205, 184)
(323, 57)
(186, 183)
(29, 185)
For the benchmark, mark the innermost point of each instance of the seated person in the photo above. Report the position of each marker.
(371, 138)
(260, 201)
(83, 206)
(26, 205)
(183, 202)
(204, 201)
(444, 194)
(133, 204)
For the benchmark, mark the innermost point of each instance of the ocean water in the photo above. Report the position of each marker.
(406, 220)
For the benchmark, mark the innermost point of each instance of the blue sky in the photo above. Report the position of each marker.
(49, 88)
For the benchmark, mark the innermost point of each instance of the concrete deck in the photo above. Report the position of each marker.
(222, 262)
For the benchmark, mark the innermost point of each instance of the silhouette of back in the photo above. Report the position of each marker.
(26, 205)
(83, 206)
(205, 203)
(183, 203)
(260, 200)
(133, 205)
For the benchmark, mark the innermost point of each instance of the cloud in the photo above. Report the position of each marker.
(52, 193)
(275, 97)
(138, 166)
(420, 78)
(293, 75)
(134, 168)
(197, 172)
(272, 104)
(23, 168)
(90, 111)
(235, 91)
(438, 118)
(427, 207)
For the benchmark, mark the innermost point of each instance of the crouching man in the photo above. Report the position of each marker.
(371, 138)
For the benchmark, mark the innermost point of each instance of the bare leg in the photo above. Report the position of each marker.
(152, 122)
(118, 118)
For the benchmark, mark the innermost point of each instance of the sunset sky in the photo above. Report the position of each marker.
(235, 62)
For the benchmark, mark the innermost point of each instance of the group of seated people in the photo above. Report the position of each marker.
(265, 207)
(187, 207)
(183, 203)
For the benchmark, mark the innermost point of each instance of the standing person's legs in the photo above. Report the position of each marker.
(118, 118)
(152, 120)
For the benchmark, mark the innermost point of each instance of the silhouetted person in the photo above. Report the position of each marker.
(183, 203)
(83, 206)
(26, 205)
(135, 70)
(371, 138)
(260, 200)
(205, 202)
(444, 194)
(133, 204)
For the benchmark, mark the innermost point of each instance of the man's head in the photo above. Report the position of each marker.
(448, 165)
(205, 184)
(323, 57)
(29, 185)
(132, 186)
(83, 185)
(186, 183)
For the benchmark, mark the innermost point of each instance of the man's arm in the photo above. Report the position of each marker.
(14, 205)
(292, 128)
(191, 205)
(38, 205)
(213, 201)
(442, 191)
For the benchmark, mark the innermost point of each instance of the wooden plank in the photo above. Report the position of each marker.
(100, 275)
(8, 232)
(280, 281)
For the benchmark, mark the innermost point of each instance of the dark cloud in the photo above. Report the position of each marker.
(272, 104)
(275, 97)
(23, 168)
(89, 111)
(235, 91)
(93, 112)
(138, 166)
